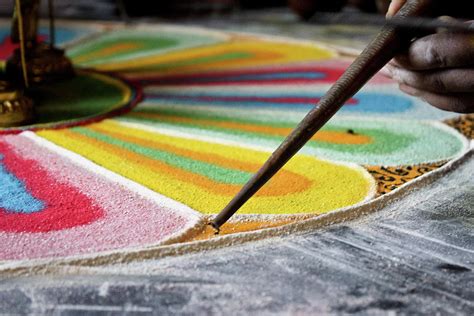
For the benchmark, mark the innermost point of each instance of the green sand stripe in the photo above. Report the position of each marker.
(384, 141)
(82, 96)
(148, 43)
(197, 61)
(213, 172)
(142, 44)
(201, 115)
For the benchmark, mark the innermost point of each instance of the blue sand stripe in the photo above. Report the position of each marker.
(14, 197)
(63, 34)
(367, 102)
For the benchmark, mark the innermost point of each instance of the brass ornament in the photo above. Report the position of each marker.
(15, 108)
(32, 64)
(44, 64)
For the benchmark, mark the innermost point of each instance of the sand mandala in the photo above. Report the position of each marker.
(163, 125)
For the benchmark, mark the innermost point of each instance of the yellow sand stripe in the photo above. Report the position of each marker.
(262, 53)
(277, 187)
(332, 186)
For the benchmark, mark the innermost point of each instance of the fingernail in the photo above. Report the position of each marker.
(447, 19)
(409, 90)
(390, 11)
(395, 73)
(399, 61)
(386, 71)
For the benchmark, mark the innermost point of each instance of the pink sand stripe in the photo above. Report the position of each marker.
(130, 219)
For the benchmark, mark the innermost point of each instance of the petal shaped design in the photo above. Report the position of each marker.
(85, 209)
(364, 141)
(207, 175)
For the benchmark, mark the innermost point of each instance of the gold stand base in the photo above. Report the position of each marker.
(44, 64)
(15, 108)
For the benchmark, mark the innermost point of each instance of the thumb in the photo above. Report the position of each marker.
(395, 5)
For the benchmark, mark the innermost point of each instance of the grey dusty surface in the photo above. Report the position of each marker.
(413, 257)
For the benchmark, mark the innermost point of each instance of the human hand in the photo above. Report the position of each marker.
(437, 68)
(395, 5)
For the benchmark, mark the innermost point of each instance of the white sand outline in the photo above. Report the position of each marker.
(114, 177)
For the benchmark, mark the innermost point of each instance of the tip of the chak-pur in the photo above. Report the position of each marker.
(214, 227)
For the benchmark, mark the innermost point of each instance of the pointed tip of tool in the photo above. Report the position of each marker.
(216, 227)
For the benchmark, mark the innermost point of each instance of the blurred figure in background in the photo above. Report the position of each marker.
(306, 8)
(108, 9)
(90, 9)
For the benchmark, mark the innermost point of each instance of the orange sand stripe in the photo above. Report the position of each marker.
(334, 137)
(257, 56)
(114, 49)
(155, 167)
(239, 227)
(278, 186)
(333, 185)
(260, 53)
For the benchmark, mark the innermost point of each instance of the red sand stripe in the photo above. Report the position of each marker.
(7, 46)
(216, 98)
(66, 207)
(131, 219)
(331, 75)
(167, 81)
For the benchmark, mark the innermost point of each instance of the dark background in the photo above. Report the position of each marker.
(116, 9)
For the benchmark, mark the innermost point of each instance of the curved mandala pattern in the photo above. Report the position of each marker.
(215, 105)
(464, 124)
(27, 183)
(206, 176)
(391, 178)
(128, 45)
(364, 141)
(81, 205)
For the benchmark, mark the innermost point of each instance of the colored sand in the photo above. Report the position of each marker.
(215, 106)
(242, 226)
(206, 175)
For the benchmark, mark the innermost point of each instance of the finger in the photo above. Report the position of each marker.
(441, 50)
(460, 103)
(443, 81)
(395, 5)
(446, 19)
(386, 71)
